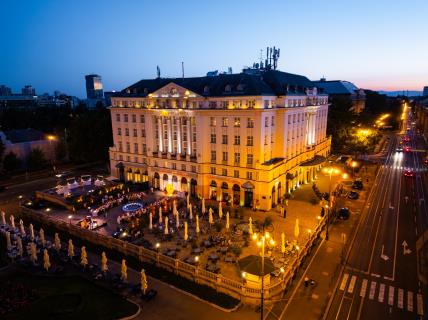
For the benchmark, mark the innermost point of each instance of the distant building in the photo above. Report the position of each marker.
(343, 88)
(425, 91)
(28, 90)
(94, 87)
(21, 142)
(17, 100)
(5, 91)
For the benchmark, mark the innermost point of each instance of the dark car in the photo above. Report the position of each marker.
(357, 184)
(344, 213)
(353, 195)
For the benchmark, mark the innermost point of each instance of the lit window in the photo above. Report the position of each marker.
(237, 122)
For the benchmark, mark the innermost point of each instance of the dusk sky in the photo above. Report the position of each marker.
(379, 44)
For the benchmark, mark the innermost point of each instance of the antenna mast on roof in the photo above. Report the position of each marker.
(182, 69)
(158, 71)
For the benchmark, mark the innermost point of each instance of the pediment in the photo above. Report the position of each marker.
(173, 90)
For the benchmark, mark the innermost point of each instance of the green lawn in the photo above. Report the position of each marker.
(64, 298)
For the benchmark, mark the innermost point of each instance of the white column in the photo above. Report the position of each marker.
(179, 135)
(160, 134)
(189, 138)
(308, 128)
(168, 121)
(314, 122)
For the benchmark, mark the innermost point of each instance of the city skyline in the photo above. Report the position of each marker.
(125, 43)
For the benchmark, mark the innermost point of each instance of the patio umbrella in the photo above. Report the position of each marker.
(188, 200)
(42, 237)
(19, 245)
(123, 271)
(177, 221)
(174, 208)
(210, 216)
(190, 213)
(31, 232)
(203, 206)
(8, 242)
(166, 231)
(150, 221)
(186, 236)
(104, 266)
(220, 210)
(3, 218)
(250, 225)
(33, 252)
(227, 220)
(21, 228)
(296, 229)
(70, 249)
(160, 214)
(143, 281)
(252, 264)
(46, 260)
(197, 224)
(57, 242)
(83, 257)
(12, 221)
(282, 243)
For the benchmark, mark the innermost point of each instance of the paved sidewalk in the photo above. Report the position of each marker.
(309, 302)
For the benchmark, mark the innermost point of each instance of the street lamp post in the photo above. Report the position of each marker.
(330, 172)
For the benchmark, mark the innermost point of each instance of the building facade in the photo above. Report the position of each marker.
(94, 87)
(246, 138)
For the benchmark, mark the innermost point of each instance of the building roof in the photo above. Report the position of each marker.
(270, 82)
(336, 86)
(24, 135)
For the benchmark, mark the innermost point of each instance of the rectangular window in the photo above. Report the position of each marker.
(266, 122)
(225, 156)
(249, 159)
(224, 172)
(127, 132)
(250, 123)
(134, 118)
(142, 119)
(266, 104)
(237, 140)
(237, 157)
(183, 167)
(125, 117)
(237, 122)
(249, 140)
(144, 148)
(120, 146)
(212, 169)
(117, 117)
(135, 147)
(213, 122)
(236, 173)
(272, 123)
(173, 166)
(249, 175)
(194, 136)
(119, 131)
(213, 138)
(213, 156)
(193, 168)
(143, 133)
(224, 139)
(224, 122)
(135, 133)
(128, 147)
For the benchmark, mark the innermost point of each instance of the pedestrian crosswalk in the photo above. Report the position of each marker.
(382, 293)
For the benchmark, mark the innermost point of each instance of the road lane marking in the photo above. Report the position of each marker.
(352, 284)
(410, 301)
(391, 296)
(420, 304)
(344, 281)
(363, 288)
(381, 292)
(400, 297)
(372, 290)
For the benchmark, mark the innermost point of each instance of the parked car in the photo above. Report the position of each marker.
(353, 195)
(357, 184)
(344, 213)
(409, 173)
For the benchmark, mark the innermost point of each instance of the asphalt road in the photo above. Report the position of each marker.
(383, 277)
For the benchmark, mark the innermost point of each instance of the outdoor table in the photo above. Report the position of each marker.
(224, 249)
(171, 253)
(213, 268)
(196, 250)
(207, 243)
(229, 259)
(213, 256)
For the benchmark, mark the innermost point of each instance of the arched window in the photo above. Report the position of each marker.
(224, 185)
(206, 89)
(228, 88)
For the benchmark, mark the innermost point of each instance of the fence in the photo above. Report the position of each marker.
(236, 289)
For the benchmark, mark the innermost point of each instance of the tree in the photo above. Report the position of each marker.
(60, 150)
(11, 162)
(36, 160)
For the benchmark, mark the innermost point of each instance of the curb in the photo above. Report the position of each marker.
(135, 314)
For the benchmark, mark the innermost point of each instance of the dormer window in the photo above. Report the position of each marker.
(145, 91)
(128, 91)
(206, 90)
(228, 88)
(240, 87)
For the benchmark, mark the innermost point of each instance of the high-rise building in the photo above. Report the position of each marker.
(5, 91)
(247, 138)
(28, 90)
(425, 91)
(94, 87)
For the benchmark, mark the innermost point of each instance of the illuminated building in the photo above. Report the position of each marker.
(247, 138)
